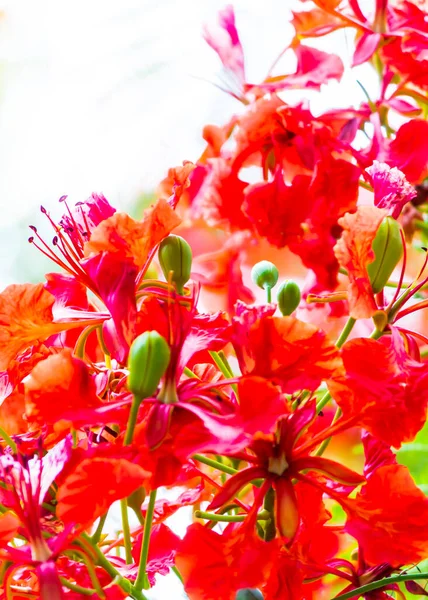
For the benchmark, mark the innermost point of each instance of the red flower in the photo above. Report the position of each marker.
(389, 518)
(217, 566)
(383, 388)
(294, 354)
(279, 459)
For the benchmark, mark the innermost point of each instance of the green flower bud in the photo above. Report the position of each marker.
(388, 250)
(148, 360)
(248, 594)
(264, 274)
(175, 255)
(135, 501)
(288, 297)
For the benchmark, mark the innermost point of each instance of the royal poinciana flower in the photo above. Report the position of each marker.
(26, 483)
(189, 334)
(119, 376)
(279, 459)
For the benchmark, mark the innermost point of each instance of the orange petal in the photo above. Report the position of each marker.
(286, 510)
(354, 252)
(12, 413)
(26, 319)
(135, 239)
(8, 526)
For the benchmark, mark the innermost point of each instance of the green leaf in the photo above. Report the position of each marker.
(415, 457)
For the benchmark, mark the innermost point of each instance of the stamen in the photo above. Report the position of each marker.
(76, 227)
(415, 334)
(403, 270)
(84, 219)
(51, 256)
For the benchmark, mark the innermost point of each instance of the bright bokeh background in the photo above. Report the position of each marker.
(106, 95)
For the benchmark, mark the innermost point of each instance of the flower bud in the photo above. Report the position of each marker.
(388, 250)
(264, 274)
(175, 255)
(135, 500)
(248, 594)
(288, 297)
(148, 360)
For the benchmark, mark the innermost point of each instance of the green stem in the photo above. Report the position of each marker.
(8, 440)
(324, 400)
(91, 571)
(97, 534)
(264, 515)
(132, 421)
(268, 294)
(323, 446)
(190, 373)
(142, 580)
(126, 531)
(220, 364)
(77, 588)
(375, 585)
(79, 348)
(224, 368)
(339, 343)
(349, 325)
(376, 334)
(215, 464)
(177, 572)
(103, 562)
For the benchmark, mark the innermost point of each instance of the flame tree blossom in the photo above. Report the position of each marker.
(280, 417)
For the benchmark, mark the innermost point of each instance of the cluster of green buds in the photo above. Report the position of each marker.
(175, 259)
(388, 251)
(265, 275)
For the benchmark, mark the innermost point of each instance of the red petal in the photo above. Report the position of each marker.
(234, 484)
(389, 518)
(94, 485)
(386, 391)
(330, 468)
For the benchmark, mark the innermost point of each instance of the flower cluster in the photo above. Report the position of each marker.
(164, 354)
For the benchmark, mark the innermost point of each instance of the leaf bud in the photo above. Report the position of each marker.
(175, 255)
(265, 274)
(388, 250)
(148, 360)
(288, 297)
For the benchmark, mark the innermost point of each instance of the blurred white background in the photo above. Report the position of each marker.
(106, 95)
